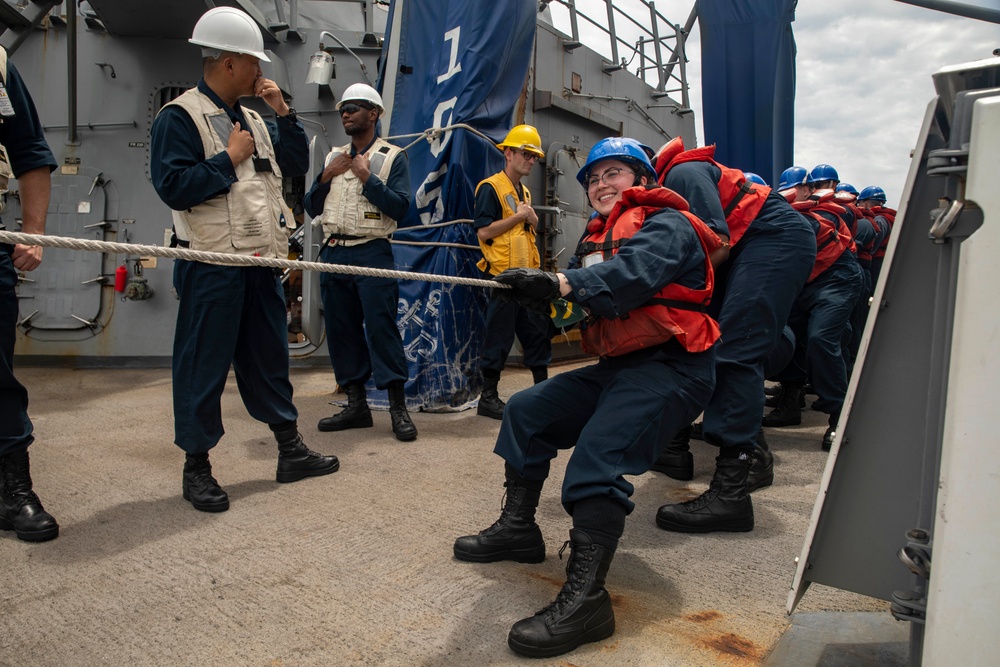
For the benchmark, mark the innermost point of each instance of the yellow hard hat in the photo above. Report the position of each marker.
(523, 137)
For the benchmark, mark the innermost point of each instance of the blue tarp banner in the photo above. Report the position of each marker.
(748, 83)
(447, 62)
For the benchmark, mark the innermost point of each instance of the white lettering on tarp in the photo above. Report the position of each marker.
(428, 198)
(439, 142)
(454, 67)
(428, 195)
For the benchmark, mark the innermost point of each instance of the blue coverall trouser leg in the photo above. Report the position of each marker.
(228, 316)
(614, 413)
(860, 314)
(754, 292)
(15, 426)
(504, 320)
(822, 311)
(360, 316)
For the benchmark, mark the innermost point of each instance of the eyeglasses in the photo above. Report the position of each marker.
(528, 156)
(353, 108)
(609, 174)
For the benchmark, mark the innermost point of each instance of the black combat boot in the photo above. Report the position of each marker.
(357, 414)
(725, 506)
(676, 461)
(788, 412)
(402, 425)
(831, 432)
(200, 488)
(490, 404)
(762, 468)
(515, 535)
(698, 431)
(295, 460)
(20, 509)
(774, 399)
(539, 373)
(581, 612)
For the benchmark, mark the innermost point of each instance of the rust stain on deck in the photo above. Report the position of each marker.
(703, 616)
(735, 646)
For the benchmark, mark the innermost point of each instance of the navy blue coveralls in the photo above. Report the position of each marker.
(754, 292)
(864, 238)
(616, 411)
(504, 320)
(228, 316)
(360, 311)
(22, 135)
(819, 318)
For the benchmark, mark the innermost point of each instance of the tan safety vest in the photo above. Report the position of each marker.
(347, 212)
(6, 172)
(247, 220)
(515, 248)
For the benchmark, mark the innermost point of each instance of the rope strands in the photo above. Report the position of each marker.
(226, 259)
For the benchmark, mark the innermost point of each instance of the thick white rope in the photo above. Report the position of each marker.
(226, 259)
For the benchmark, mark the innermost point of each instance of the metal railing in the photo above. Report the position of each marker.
(658, 43)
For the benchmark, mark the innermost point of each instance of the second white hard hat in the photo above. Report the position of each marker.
(364, 92)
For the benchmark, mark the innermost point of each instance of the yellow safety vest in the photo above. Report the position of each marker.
(515, 248)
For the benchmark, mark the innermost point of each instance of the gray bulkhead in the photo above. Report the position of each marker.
(132, 57)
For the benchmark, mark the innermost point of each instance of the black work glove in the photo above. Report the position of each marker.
(533, 289)
(533, 283)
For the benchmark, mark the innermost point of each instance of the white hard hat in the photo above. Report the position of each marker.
(364, 92)
(229, 29)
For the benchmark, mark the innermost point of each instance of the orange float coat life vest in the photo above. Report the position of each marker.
(832, 239)
(676, 311)
(741, 199)
(890, 215)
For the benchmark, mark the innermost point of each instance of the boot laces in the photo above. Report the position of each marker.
(17, 486)
(25, 498)
(703, 500)
(504, 513)
(576, 577)
(202, 476)
(399, 413)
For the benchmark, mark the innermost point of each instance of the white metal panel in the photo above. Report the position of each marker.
(965, 584)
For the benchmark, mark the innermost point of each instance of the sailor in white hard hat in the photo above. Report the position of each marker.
(361, 193)
(219, 166)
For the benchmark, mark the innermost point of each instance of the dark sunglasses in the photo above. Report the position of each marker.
(353, 108)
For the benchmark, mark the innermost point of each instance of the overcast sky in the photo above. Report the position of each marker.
(863, 79)
(863, 82)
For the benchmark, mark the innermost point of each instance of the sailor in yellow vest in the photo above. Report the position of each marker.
(505, 224)
(361, 193)
(219, 166)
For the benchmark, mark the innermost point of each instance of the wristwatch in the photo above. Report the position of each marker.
(291, 115)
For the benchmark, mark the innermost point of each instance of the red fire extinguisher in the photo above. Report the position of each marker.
(121, 277)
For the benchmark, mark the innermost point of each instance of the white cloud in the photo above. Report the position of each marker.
(864, 81)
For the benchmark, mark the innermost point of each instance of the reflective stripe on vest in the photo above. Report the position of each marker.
(347, 213)
(515, 248)
(248, 219)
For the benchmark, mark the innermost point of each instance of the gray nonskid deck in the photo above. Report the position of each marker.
(356, 568)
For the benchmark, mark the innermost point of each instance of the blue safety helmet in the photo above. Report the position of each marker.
(618, 148)
(791, 177)
(872, 192)
(847, 187)
(754, 178)
(822, 172)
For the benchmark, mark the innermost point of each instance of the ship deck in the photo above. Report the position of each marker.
(356, 568)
